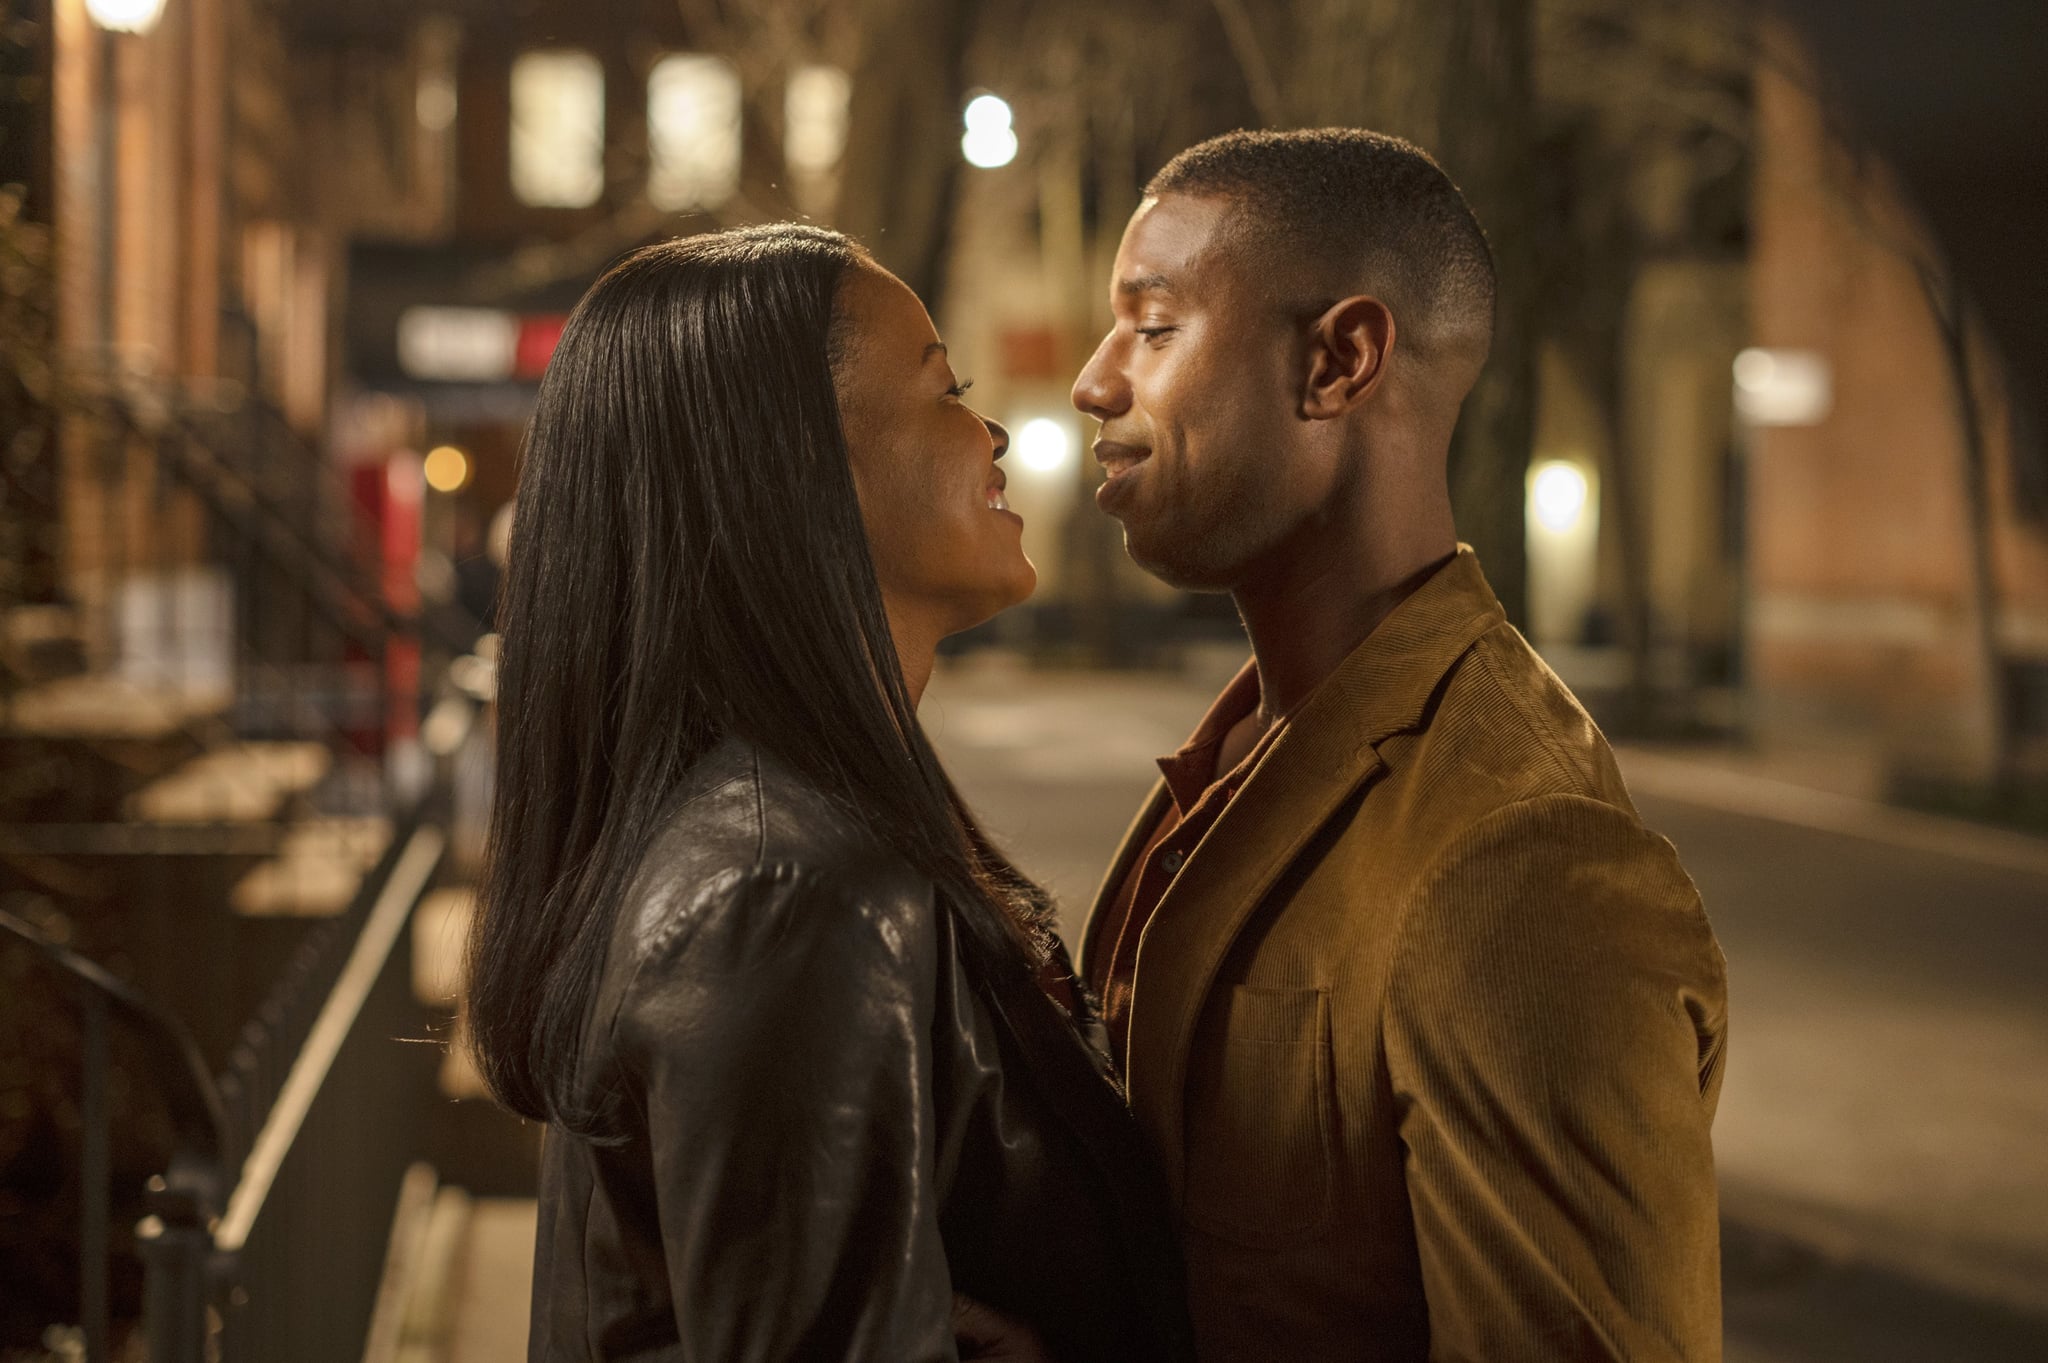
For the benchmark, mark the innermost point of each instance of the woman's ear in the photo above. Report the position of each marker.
(1348, 348)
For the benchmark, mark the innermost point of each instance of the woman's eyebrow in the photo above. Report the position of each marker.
(935, 348)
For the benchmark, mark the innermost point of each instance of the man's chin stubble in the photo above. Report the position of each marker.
(1178, 573)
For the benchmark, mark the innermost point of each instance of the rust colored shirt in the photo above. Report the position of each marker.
(1200, 794)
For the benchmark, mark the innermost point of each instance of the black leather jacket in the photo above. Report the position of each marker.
(831, 1126)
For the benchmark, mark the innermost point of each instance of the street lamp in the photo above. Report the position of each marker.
(989, 141)
(1043, 446)
(1557, 496)
(125, 16)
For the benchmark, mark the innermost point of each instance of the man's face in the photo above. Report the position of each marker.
(1196, 387)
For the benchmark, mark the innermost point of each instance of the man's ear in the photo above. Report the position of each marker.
(1348, 349)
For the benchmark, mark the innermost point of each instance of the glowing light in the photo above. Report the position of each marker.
(434, 102)
(1783, 387)
(477, 345)
(987, 112)
(1558, 496)
(558, 129)
(814, 118)
(990, 140)
(693, 132)
(1043, 445)
(125, 16)
(446, 469)
(1753, 368)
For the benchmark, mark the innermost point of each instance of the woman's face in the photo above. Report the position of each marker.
(948, 551)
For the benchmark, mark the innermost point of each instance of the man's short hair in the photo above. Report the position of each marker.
(1363, 211)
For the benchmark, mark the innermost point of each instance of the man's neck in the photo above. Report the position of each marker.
(1319, 601)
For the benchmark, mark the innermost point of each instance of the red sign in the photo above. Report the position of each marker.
(538, 337)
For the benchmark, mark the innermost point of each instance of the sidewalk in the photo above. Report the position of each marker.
(1891, 1120)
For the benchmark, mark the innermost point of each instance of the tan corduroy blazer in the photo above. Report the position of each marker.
(1427, 1032)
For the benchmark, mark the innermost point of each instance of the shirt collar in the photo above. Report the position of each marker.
(1190, 769)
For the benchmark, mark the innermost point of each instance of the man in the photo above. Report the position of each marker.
(1424, 1025)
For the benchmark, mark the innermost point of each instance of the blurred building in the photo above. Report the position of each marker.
(1776, 491)
(281, 283)
(1897, 550)
(282, 279)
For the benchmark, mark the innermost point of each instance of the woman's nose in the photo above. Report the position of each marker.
(1000, 435)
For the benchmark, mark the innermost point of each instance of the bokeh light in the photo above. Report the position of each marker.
(126, 16)
(446, 468)
(990, 140)
(1043, 445)
(1558, 494)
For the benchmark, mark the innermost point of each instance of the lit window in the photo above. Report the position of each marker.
(814, 134)
(814, 114)
(558, 129)
(693, 132)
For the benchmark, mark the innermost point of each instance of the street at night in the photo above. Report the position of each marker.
(483, 488)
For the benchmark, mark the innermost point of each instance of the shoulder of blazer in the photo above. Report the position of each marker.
(1505, 716)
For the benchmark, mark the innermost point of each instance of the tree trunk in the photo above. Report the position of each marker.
(1952, 319)
(1454, 77)
(902, 167)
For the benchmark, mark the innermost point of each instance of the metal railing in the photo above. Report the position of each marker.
(291, 1266)
(266, 1231)
(200, 1122)
(296, 1110)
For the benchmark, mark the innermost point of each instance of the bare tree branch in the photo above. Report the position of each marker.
(1251, 60)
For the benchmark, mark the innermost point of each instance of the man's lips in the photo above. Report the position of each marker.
(1119, 461)
(1117, 457)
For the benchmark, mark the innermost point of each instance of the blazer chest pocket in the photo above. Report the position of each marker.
(1259, 1118)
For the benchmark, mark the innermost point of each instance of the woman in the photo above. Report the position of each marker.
(740, 944)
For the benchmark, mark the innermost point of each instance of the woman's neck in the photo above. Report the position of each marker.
(917, 649)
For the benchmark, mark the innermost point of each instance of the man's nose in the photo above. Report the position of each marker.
(1100, 391)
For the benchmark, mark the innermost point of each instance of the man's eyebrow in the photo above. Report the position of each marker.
(935, 348)
(1144, 283)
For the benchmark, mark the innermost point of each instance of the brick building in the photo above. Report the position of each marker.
(1897, 565)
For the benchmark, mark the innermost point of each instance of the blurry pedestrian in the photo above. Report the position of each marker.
(1426, 1027)
(800, 1035)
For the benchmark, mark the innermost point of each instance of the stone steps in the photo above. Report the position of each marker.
(458, 1279)
(317, 871)
(249, 782)
(98, 706)
(42, 643)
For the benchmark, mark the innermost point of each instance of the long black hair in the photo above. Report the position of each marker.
(688, 561)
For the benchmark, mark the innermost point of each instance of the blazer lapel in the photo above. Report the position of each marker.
(1283, 803)
(1329, 749)
(1120, 867)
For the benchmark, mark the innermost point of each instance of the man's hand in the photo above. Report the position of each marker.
(982, 1332)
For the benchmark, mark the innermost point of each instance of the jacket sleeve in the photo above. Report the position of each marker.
(1554, 1031)
(780, 1037)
